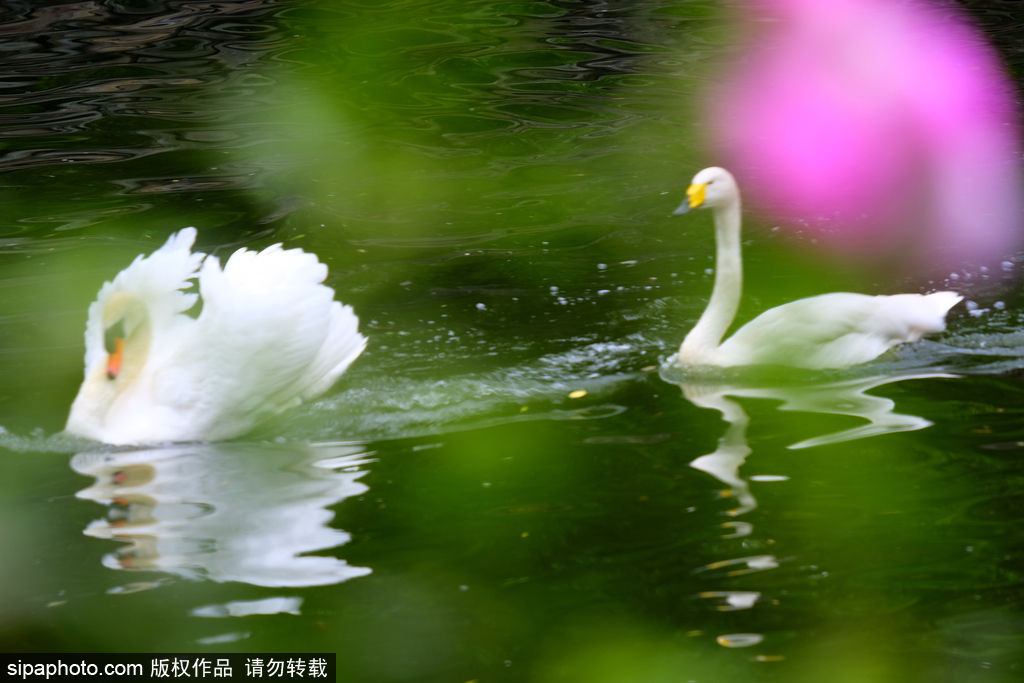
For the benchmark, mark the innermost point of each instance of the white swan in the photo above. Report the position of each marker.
(827, 331)
(269, 336)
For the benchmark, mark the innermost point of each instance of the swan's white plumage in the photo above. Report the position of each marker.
(269, 336)
(828, 331)
(158, 279)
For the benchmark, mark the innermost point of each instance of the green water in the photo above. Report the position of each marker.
(491, 186)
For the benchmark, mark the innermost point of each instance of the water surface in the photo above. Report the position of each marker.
(507, 485)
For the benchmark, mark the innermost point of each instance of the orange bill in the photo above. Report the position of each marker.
(114, 359)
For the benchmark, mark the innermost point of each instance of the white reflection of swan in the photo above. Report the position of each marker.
(270, 335)
(226, 512)
(847, 397)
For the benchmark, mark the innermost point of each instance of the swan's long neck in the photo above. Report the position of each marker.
(702, 342)
(99, 391)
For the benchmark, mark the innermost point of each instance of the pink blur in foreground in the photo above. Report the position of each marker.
(885, 128)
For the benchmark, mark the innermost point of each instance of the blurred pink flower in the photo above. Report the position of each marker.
(884, 128)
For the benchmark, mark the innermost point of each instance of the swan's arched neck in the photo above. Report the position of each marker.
(128, 313)
(701, 345)
(99, 392)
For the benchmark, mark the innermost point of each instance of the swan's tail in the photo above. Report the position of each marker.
(915, 315)
(942, 302)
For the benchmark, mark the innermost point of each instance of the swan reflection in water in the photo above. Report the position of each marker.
(226, 512)
(844, 397)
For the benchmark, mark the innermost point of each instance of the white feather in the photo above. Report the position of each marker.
(270, 335)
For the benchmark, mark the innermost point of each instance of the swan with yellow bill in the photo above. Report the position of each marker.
(827, 331)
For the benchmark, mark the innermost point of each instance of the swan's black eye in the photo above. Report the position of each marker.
(112, 334)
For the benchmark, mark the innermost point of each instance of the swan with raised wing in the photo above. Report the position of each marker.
(269, 336)
(827, 331)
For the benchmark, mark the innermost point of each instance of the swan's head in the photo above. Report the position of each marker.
(711, 188)
(125, 321)
(118, 339)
